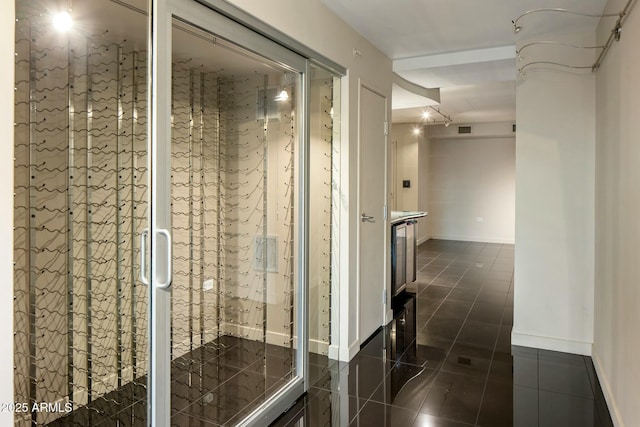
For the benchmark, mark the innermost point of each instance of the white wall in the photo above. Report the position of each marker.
(6, 219)
(424, 229)
(472, 183)
(407, 147)
(617, 295)
(555, 169)
(410, 161)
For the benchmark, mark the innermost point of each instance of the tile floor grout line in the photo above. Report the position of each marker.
(483, 285)
(440, 369)
(451, 290)
(443, 299)
(486, 381)
(218, 386)
(458, 334)
(464, 322)
(428, 393)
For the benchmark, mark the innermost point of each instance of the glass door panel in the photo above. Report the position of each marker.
(324, 172)
(225, 220)
(236, 343)
(81, 205)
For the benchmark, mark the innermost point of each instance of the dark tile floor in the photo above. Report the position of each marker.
(460, 369)
(214, 385)
(445, 361)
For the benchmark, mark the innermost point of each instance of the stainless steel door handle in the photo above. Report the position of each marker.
(143, 257)
(169, 261)
(144, 278)
(367, 218)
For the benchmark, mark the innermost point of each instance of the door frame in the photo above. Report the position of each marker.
(385, 314)
(205, 17)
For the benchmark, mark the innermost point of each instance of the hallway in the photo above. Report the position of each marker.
(461, 369)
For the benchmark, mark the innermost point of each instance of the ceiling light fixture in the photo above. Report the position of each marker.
(446, 119)
(614, 35)
(425, 115)
(282, 96)
(416, 130)
(517, 28)
(62, 21)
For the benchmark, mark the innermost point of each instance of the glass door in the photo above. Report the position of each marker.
(228, 321)
(162, 266)
(80, 207)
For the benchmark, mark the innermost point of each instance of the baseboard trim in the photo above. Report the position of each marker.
(606, 391)
(422, 240)
(549, 343)
(276, 338)
(334, 352)
(473, 239)
(347, 353)
(318, 347)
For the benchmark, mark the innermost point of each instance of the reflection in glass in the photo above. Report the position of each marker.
(81, 194)
(80, 313)
(234, 192)
(323, 210)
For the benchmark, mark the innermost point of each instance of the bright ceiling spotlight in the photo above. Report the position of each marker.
(425, 115)
(416, 130)
(62, 21)
(516, 28)
(282, 96)
(446, 119)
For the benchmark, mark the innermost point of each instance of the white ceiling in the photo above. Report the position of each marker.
(464, 47)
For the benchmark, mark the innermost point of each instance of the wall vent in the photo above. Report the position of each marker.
(464, 129)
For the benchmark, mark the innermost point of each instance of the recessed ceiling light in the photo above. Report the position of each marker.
(426, 115)
(282, 96)
(62, 22)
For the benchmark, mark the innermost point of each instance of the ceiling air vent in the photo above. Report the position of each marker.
(464, 129)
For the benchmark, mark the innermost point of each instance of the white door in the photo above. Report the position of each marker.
(372, 229)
